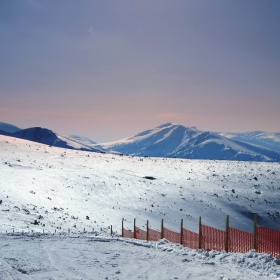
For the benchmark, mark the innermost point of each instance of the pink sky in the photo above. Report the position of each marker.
(108, 70)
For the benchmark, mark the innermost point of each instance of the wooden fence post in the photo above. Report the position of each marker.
(199, 234)
(255, 232)
(122, 227)
(162, 234)
(181, 232)
(134, 229)
(227, 234)
(147, 230)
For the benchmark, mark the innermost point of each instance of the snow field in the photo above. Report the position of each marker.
(67, 189)
(60, 188)
(93, 256)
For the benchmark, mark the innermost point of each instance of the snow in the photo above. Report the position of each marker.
(93, 256)
(88, 192)
(173, 140)
(270, 140)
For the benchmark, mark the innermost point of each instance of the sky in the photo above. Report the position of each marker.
(108, 69)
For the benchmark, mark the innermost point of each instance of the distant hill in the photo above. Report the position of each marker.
(41, 135)
(83, 140)
(167, 140)
(48, 137)
(269, 140)
(173, 140)
(8, 127)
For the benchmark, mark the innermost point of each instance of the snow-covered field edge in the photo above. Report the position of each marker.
(101, 256)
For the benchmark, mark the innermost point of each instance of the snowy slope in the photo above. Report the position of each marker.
(45, 188)
(265, 139)
(83, 140)
(172, 140)
(87, 256)
(79, 143)
(64, 189)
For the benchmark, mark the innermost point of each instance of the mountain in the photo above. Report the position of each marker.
(8, 127)
(82, 140)
(173, 140)
(265, 139)
(44, 191)
(48, 137)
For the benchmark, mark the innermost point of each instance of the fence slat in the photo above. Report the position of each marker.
(268, 241)
(240, 241)
(171, 236)
(154, 235)
(140, 234)
(212, 238)
(127, 233)
(190, 239)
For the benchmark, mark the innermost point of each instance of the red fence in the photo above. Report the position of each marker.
(190, 239)
(171, 236)
(240, 241)
(268, 241)
(212, 239)
(154, 235)
(140, 234)
(234, 240)
(127, 233)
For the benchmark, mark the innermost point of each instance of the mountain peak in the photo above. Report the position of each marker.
(174, 140)
(167, 125)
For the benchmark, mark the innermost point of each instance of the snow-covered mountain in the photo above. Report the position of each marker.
(48, 137)
(261, 138)
(82, 140)
(167, 140)
(46, 188)
(173, 140)
(8, 127)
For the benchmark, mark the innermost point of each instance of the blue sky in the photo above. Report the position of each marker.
(110, 69)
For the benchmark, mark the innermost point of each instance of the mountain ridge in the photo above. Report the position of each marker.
(174, 140)
(167, 140)
(48, 137)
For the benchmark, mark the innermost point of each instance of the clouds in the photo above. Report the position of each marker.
(91, 30)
